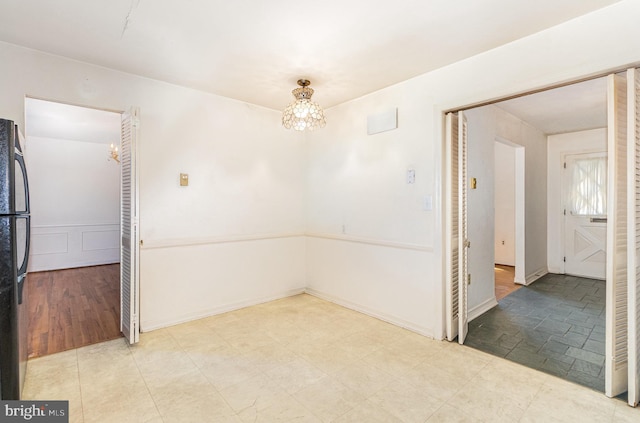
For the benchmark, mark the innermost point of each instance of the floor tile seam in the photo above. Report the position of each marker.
(186, 351)
(79, 385)
(583, 390)
(479, 379)
(456, 406)
(292, 398)
(237, 413)
(351, 406)
(462, 386)
(155, 403)
(547, 377)
(404, 374)
(284, 389)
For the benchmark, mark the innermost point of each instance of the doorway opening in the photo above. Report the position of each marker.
(555, 322)
(509, 217)
(74, 267)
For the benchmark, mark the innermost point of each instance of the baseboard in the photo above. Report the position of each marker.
(394, 320)
(556, 270)
(536, 275)
(482, 308)
(159, 324)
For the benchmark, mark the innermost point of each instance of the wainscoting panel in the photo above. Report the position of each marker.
(66, 246)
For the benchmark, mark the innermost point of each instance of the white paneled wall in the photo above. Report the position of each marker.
(62, 247)
(75, 204)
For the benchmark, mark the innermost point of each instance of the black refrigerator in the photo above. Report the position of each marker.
(15, 225)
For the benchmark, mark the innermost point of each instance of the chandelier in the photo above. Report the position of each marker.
(303, 113)
(114, 153)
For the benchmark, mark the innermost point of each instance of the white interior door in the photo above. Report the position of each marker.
(463, 241)
(585, 214)
(616, 297)
(633, 214)
(451, 226)
(129, 251)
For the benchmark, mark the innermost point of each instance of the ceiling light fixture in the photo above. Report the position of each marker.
(303, 114)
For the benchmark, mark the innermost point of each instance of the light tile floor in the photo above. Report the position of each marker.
(302, 359)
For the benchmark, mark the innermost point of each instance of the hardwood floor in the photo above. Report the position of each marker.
(72, 308)
(504, 280)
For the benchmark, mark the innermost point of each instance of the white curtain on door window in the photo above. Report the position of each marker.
(589, 187)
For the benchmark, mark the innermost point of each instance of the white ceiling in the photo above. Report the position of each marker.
(255, 50)
(572, 108)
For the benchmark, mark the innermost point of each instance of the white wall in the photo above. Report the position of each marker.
(559, 146)
(482, 131)
(505, 204)
(370, 243)
(345, 163)
(75, 204)
(246, 178)
(485, 125)
(249, 177)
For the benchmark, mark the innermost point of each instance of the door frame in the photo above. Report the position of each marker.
(519, 199)
(444, 194)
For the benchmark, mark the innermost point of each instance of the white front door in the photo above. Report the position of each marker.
(585, 214)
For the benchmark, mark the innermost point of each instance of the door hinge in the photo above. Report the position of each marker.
(564, 259)
(469, 279)
(564, 165)
(141, 242)
(564, 212)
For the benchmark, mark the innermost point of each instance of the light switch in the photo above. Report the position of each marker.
(184, 179)
(411, 176)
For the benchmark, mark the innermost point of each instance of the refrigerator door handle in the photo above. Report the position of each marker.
(22, 270)
(20, 284)
(23, 167)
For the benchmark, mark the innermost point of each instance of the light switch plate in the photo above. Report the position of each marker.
(411, 176)
(427, 205)
(184, 179)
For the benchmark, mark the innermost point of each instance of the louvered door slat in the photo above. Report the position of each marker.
(451, 226)
(129, 272)
(617, 230)
(633, 253)
(463, 244)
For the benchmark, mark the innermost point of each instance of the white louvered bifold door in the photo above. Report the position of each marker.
(463, 241)
(633, 214)
(451, 226)
(616, 269)
(129, 251)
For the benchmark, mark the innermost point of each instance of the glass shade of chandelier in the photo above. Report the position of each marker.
(303, 114)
